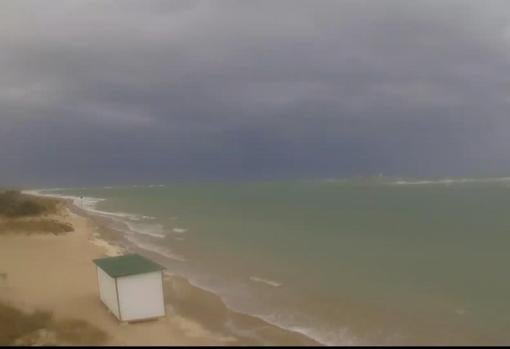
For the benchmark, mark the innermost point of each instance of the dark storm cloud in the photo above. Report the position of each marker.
(98, 91)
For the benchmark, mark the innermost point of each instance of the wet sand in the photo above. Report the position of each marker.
(55, 273)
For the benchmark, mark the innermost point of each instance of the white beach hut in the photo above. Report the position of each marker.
(131, 286)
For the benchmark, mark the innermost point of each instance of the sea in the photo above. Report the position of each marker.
(345, 261)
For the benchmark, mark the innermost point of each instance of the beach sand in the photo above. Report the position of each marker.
(55, 273)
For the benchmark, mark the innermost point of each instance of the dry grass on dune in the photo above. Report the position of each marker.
(14, 204)
(40, 328)
(14, 324)
(41, 226)
(25, 214)
(20, 213)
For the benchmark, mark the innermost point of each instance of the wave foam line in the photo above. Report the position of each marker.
(164, 252)
(265, 281)
(87, 203)
(452, 181)
(133, 228)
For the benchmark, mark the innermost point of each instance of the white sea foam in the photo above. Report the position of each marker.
(290, 320)
(134, 232)
(162, 251)
(309, 326)
(297, 322)
(130, 221)
(329, 337)
(265, 281)
(447, 181)
(150, 229)
(86, 203)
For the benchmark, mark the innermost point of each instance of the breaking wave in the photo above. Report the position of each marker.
(265, 281)
(448, 181)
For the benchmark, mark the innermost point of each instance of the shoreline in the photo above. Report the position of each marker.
(54, 274)
(188, 301)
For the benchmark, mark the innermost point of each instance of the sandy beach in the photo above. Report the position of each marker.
(55, 273)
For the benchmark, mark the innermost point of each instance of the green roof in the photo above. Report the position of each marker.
(130, 264)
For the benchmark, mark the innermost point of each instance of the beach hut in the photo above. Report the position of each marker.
(131, 286)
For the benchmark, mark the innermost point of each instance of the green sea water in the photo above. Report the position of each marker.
(353, 261)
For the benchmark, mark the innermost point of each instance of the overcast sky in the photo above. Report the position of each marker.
(150, 91)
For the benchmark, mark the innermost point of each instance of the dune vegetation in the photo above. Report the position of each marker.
(40, 328)
(27, 214)
(14, 204)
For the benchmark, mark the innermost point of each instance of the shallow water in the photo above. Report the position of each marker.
(382, 261)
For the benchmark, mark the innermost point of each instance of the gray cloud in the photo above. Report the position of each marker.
(99, 91)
